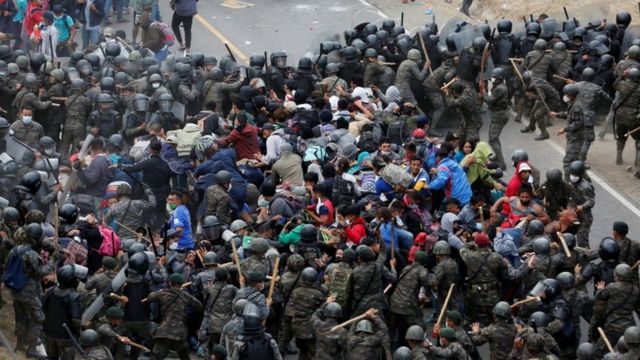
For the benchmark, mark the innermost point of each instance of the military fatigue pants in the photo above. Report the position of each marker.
(62, 349)
(29, 317)
(306, 348)
(162, 347)
(71, 138)
(589, 138)
(136, 330)
(499, 119)
(286, 333)
(572, 149)
(582, 236)
(470, 128)
(437, 106)
(479, 303)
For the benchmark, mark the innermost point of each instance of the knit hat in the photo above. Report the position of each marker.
(481, 239)
(421, 257)
(109, 262)
(421, 238)
(176, 279)
(448, 333)
(418, 134)
(454, 316)
(256, 277)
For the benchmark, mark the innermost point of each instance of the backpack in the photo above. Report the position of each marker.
(368, 182)
(367, 142)
(395, 175)
(339, 284)
(344, 192)
(14, 276)
(398, 132)
(169, 38)
(305, 120)
(256, 347)
(314, 152)
(110, 245)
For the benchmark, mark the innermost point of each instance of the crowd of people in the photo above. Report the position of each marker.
(157, 204)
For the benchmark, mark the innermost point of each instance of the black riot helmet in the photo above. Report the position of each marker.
(371, 40)
(34, 232)
(606, 62)
(196, 59)
(349, 35)
(140, 103)
(450, 40)
(577, 168)
(31, 181)
(535, 228)
(571, 90)
(165, 102)
(547, 289)
(84, 67)
(112, 49)
(359, 44)
(350, 55)
(105, 103)
(89, 338)
(609, 250)
(566, 280)
(75, 57)
(10, 214)
(183, 70)
(538, 320)
(121, 78)
(498, 73)
(216, 74)
(383, 36)
(30, 81)
(309, 275)
(534, 29)
(305, 65)
(554, 176)
(68, 213)
(623, 19)
(211, 227)
(388, 24)
(570, 239)
(369, 29)
(504, 26)
(36, 61)
(257, 61)
(397, 31)
(94, 60)
(107, 85)
(279, 60)
(67, 278)
(134, 249)
(370, 53)
(46, 143)
(139, 262)
(579, 33)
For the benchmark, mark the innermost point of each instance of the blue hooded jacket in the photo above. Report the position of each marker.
(453, 180)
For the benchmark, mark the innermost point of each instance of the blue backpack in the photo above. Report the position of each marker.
(14, 276)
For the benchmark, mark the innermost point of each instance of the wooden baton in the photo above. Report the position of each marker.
(443, 310)
(605, 339)
(564, 244)
(525, 301)
(349, 322)
(274, 276)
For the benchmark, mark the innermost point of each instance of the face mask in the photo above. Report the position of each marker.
(48, 151)
(574, 179)
(27, 120)
(566, 99)
(413, 206)
(155, 85)
(173, 206)
(263, 203)
(385, 152)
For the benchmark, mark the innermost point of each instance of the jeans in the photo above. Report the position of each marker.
(89, 36)
(119, 5)
(162, 54)
(155, 12)
(108, 5)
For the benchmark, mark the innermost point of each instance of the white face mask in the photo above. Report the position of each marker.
(566, 99)
(155, 85)
(574, 179)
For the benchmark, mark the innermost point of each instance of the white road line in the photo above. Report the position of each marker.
(600, 181)
(365, 3)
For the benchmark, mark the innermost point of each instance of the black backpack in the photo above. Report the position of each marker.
(367, 142)
(343, 192)
(256, 347)
(398, 132)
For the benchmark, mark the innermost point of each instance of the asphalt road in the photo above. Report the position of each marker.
(298, 26)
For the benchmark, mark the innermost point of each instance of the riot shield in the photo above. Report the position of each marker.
(178, 110)
(632, 32)
(466, 33)
(98, 303)
(14, 148)
(549, 27)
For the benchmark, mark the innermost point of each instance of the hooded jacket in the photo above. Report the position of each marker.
(477, 170)
(187, 138)
(453, 180)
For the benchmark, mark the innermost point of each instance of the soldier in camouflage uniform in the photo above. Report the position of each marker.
(590, 94)
(538, 321)
(128, 212)
(632, 340)
(332, 82)
(218, 199)
(415, 337)
(305, 299)
(234, 327)
(288, 281)
(498, 102)
(557, 194)
(562, 58)
(372, 68)
(631, 61)
(485, 270)
(101, 279)
(463, 96)
(26, 129)
(445, 274)
(625, 110)
(252, 293)
(78, 107)
(431, 89)
(616, 304)
(89, 340)
(218, 302)
(108, 331)
(28, 96)
(584, 201)
(629, 248)
(499, 335)
(575, 129)
(450, 348)
(404, 307)
(368, 278)
(330, 345)
(409, 73)
(55, 116)
(579, 301)
(216, 90)
(172, 331)
(256, 261)
(539, 62)
(455, 321)
(27, 305)
(364, 342)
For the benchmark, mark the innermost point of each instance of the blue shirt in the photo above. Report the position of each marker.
(20, 11)
(63, 24)
(181, 218)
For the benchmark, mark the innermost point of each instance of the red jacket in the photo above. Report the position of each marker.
(356, 231)
(244, 140)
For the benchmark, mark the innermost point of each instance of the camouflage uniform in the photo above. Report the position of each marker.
(618, 302)
(581, 306)
(485, 270)
(27, 304)
(305, 299)
(366, 346)
(218, 203)
(368, 279)
(255, 297)
(217, 92)
(431, 89)
(574, 132)
(27, 98)
(409, 72)
(54, 116)
(563, 61)
(557, 197)
(129, 213)
(468, 105)
(28, 134)
(218, 301)
(255, 263)
(539, 63)
(330, 345)
(230, 331)
(499, 335)
(629, 253)
(453, 351)
(98, 353)
(588, 95)
(625, 119)
(585, 198)
(404, 299)
(498, 103)
(77, 108)
(333, 82)
(445, 273)
(172, 331)
(288, 281)
(109, 338)
(372, 70)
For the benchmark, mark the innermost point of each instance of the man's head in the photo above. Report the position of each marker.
(620, 229)
(453, 206)
(385, 146)
(26, 115)
(416, 165)
(96, 146)
(525, 193)
(174, 200)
